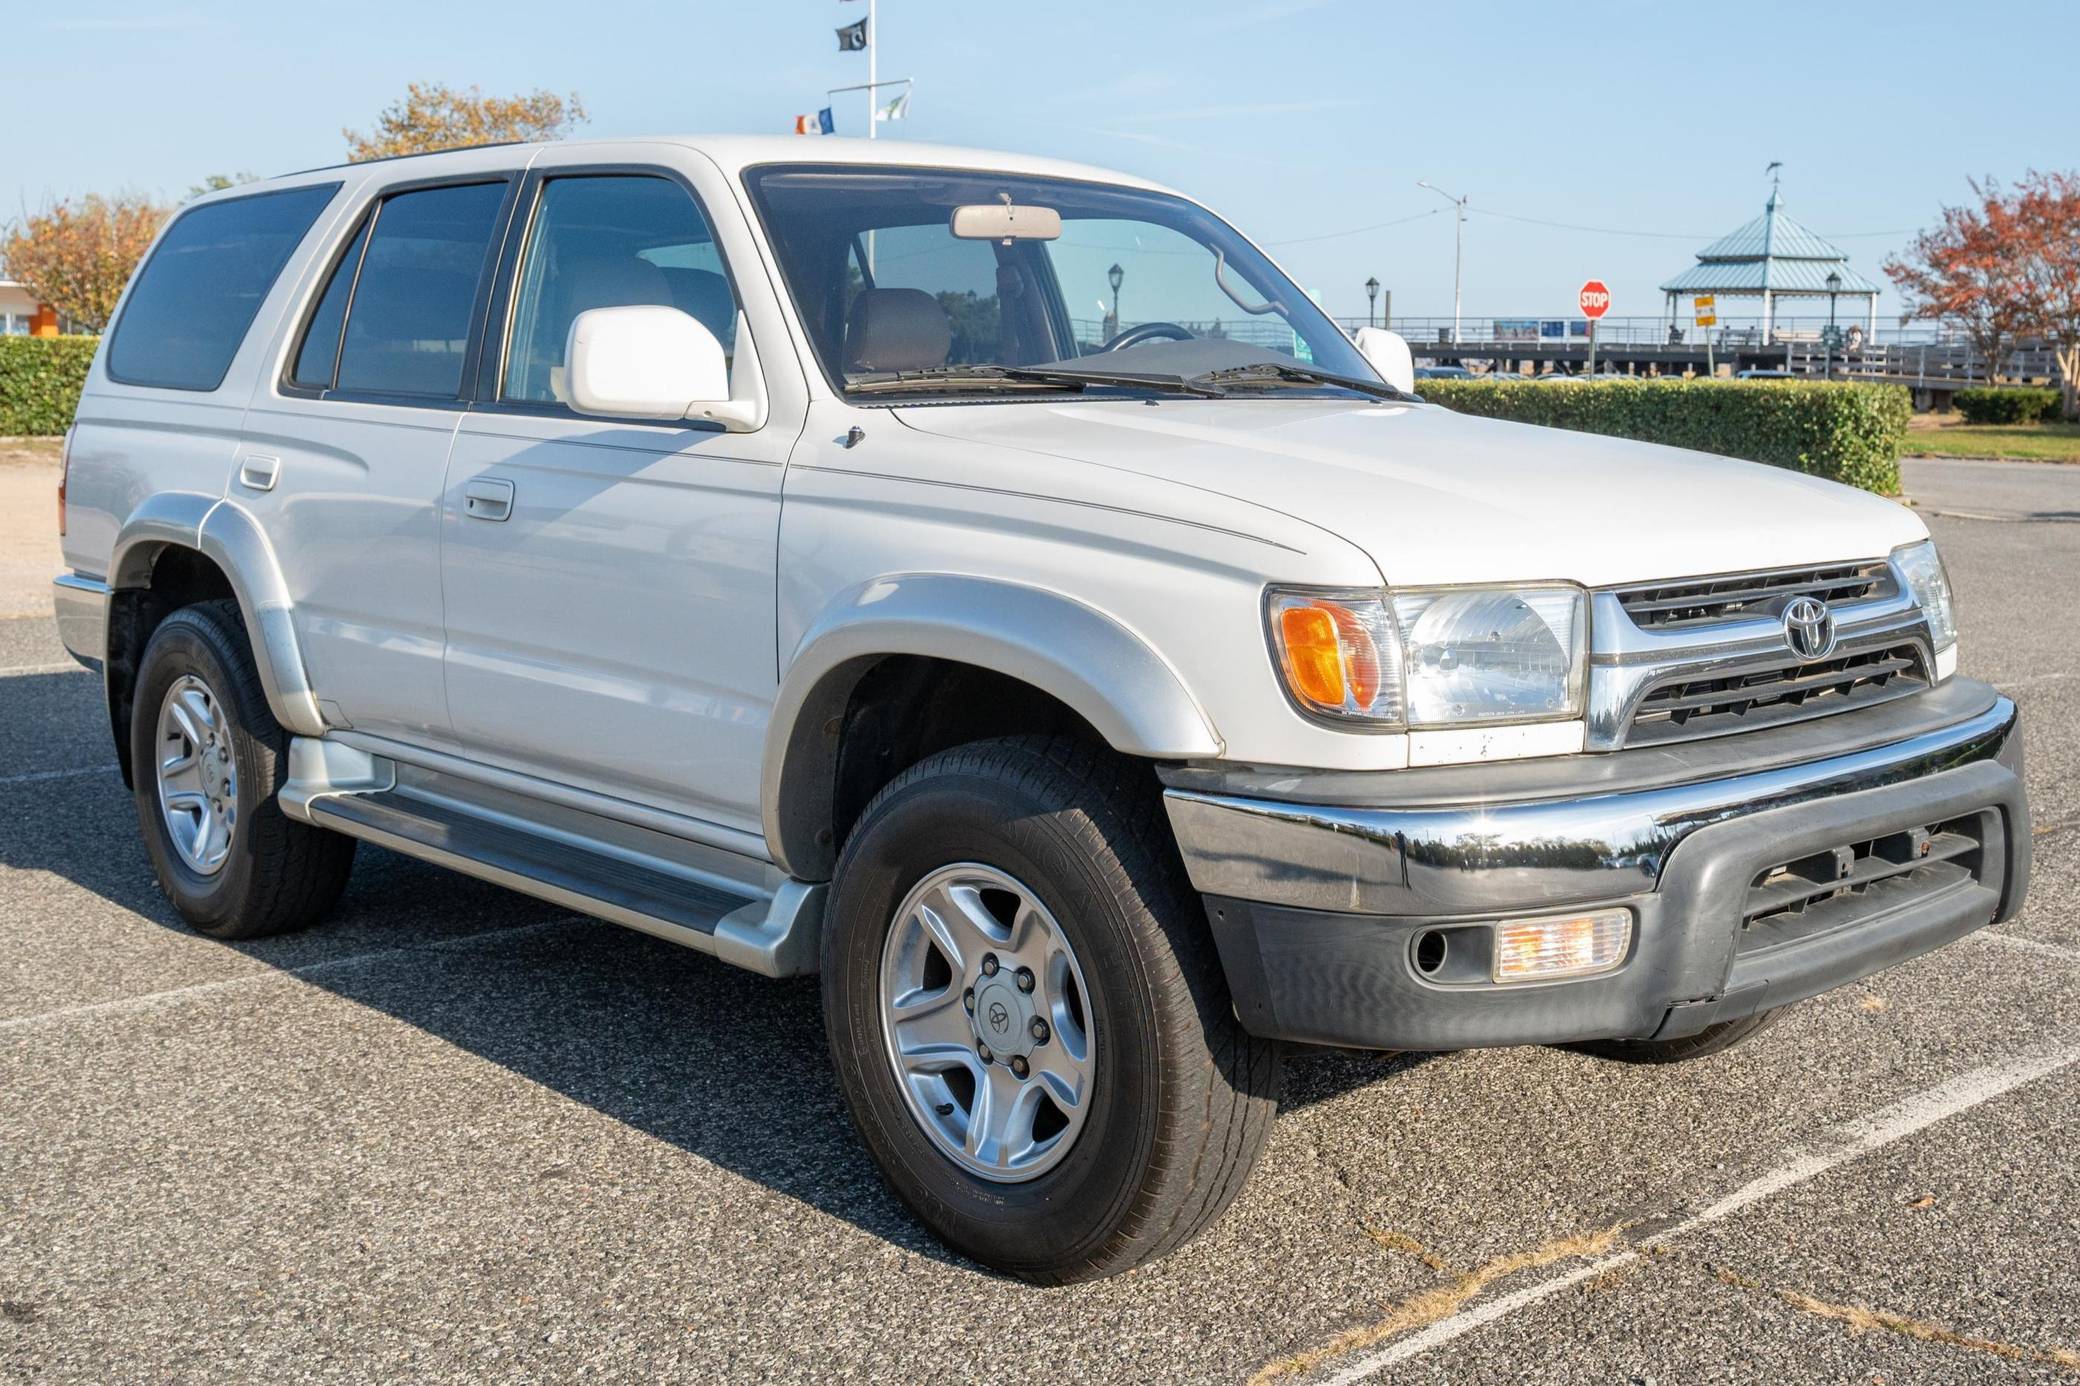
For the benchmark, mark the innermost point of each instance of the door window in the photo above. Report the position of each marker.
(319, 353)
(410, 306)
(609, 241)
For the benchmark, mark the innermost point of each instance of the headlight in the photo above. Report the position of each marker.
(1922, 568)
(1434, 657)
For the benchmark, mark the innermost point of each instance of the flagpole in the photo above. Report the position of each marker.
(873, 49)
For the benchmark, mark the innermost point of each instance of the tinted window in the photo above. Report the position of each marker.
(320, 349)
(195, 298)
(408, 326)
(609, 242)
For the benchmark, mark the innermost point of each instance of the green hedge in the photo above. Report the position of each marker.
(40, 380)
(1844, 432)
(2016, 405)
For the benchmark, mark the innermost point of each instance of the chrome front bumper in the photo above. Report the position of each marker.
(1317, 884)
(81, 605)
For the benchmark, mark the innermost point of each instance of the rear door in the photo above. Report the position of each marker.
(344, 458)
(609, 583)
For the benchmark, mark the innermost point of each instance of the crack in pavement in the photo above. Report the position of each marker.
(1861, 1318)
(1434, 1305)
(1437, 1316)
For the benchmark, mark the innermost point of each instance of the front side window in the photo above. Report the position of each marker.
(411, 303)
(609, 241)
(1130, 284)
(196, 298)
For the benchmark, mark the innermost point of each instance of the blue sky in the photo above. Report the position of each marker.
(1296, 119)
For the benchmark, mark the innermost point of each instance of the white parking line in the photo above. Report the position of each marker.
(41, 775)
(156, 998)
(1841, 1144)
(68, 667)
(2031, 945)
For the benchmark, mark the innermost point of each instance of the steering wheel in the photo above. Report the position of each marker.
(1147, 332)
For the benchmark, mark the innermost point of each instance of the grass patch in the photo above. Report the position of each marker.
(2037, 442)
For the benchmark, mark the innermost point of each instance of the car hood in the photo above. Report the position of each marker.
(1438, 497)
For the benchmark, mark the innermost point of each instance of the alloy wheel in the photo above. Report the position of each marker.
(987, 1023)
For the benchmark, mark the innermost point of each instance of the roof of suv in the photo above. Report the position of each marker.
(734, 153)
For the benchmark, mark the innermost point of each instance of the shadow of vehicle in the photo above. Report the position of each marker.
(720, 1063)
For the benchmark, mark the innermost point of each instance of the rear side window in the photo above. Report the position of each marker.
(195, 299)
(410, 306)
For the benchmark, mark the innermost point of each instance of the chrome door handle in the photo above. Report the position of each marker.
(259, 473)
(488, 500)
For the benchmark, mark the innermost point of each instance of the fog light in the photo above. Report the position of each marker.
(1541, 950)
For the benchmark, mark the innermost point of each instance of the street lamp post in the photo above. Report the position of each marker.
(1371, 302)
(1834, 289)
(1458, 249)
(1113, 277)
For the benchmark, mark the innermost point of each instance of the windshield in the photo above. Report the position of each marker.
(1134, 284)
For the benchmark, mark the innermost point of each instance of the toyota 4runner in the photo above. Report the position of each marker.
(993, 584)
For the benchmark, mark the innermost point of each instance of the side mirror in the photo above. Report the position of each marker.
(650, 362)
(1388, 353)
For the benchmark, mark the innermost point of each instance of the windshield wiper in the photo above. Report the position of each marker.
(1268, 372)
(954, 376)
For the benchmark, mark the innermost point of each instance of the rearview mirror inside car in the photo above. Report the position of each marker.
(1005, 221)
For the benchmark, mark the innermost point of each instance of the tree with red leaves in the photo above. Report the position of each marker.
(2006, 269)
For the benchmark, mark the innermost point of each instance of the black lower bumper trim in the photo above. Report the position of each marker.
(1352, 979)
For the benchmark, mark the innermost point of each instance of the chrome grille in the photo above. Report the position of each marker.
(1745, 596)
(1683, 708)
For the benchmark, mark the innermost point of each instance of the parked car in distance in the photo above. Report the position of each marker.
(763, 544)
(1444, 373)
(1753, 374)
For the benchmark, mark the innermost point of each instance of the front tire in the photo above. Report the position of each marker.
(207, 758)
(1049, 859)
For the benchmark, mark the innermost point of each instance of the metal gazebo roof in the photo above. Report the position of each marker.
(1774, 255)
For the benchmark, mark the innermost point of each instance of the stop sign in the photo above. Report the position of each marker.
(1595, 299)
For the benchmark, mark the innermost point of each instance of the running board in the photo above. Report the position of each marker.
(562, 858)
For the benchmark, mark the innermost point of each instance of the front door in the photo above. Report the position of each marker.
(343, 459)
(609, 584)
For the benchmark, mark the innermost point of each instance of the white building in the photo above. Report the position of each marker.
(17, 309)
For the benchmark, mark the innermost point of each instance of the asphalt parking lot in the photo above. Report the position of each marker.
(457, 1134)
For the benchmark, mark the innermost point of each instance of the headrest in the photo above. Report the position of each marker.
(896, 330)
(621, 281)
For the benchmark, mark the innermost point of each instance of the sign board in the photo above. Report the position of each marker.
(1595, 299)
(1831, 336)
(1707, 309)
(1516, 329)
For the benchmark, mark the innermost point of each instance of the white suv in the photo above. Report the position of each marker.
(994, 584)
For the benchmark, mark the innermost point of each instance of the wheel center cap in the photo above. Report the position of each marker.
(1003, 1018)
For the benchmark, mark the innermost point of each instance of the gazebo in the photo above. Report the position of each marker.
(1773, 258)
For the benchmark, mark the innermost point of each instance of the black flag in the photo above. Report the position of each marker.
(853, 37)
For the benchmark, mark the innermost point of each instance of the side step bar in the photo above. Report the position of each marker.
(433, 817)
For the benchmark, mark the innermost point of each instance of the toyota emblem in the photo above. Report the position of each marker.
(1809, 628)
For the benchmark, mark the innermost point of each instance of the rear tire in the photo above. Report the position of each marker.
(1713, 1039)
(233, 864)
(1179, 1097)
